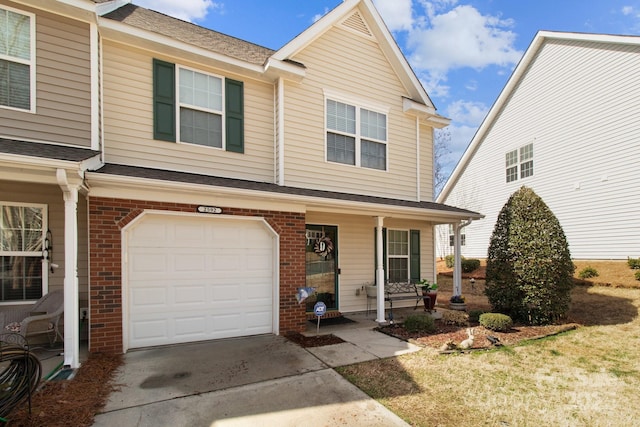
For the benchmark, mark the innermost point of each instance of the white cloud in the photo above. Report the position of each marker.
(397, 14)
(320, 15)
(467, 112)
(460, 138)
(187, 10)
(627, 10)
(447, 39)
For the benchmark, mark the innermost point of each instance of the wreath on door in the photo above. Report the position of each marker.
(323, 246)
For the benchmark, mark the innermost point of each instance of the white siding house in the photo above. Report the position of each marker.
(567, 125)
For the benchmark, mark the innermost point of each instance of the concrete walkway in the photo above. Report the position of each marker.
(257, 381)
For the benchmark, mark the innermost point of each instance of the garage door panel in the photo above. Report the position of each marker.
(195, 278)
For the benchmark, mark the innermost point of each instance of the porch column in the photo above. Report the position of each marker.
(457, 261)
(71, 309)
(457, 257)
(379, 271)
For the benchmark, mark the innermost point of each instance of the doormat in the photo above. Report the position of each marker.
(339, 320)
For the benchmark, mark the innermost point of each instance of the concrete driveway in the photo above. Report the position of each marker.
(254, 381)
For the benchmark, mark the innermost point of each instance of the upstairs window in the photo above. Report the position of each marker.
(356, 136)
(17, 41)
(197, 108)
(519, 160)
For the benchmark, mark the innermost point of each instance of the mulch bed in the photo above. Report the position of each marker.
(313, 341)
(456, 334)
(71, 402)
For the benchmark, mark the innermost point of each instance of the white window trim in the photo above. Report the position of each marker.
(518, 163)
(359, 104)
(179, 104)
(407, 256)
(31, 63)
(45, 263)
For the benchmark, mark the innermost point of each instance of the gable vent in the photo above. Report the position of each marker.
(356, 23)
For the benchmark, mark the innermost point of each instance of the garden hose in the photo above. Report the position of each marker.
(19, 378)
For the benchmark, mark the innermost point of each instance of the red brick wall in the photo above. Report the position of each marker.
(107, 217)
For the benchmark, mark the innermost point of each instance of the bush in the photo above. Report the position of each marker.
(469, 264)
(529, 268)
(634, 263)
(419, 323)
(456, 318)
(474, 315)
(449, 260)
(637, 274)
(588, 272)
(496, 321)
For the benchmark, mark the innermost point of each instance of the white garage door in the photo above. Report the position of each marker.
(193, 278)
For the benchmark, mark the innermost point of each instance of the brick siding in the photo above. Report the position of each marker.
(107, 217)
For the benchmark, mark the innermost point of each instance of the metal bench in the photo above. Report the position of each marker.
(398, 291)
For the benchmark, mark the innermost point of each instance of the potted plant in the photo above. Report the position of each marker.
(457, 302)
(430, 294)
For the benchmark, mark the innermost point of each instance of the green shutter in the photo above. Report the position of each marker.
(234, 113)
(164, 101)
(414, 255)
(384, 252)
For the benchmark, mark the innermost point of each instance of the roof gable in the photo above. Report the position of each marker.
(362, 18)
(539, 41)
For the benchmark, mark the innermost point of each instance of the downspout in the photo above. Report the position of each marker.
(280, 131)
(418, 175)
(457, 268)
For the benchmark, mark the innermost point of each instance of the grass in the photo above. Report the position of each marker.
(585, 377)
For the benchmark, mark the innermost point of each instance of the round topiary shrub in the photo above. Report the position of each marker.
(456, 318)
(474, 315)
(529, 269)
(467, 265)
(419, 323)
(496, 321)
(588, 272)
(637, 274)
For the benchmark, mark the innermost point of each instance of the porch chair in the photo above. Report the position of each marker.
(38, 319)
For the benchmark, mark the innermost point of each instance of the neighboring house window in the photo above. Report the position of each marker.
(22, 233)
(17, 63)
(356, 136)
(522, 159)
(210, 108)
(452, 237)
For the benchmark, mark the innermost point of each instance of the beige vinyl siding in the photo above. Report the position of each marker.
(128, 122)
(578, 104)
(353, 66)
(63, 89)
(52, 197)
(356, 254)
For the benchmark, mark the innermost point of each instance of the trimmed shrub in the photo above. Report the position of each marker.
(634, 263)
(529, 268)
(456, 318)
(469, 264)
(588, 272)
(474, 315)
(496, 321)
(419, 323)
(637, 274)
(449, 260)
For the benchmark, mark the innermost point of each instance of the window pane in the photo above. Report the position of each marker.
(398, 269)
(20, 278)
(341, 149)
(15, 35)
(200, 90)
(341, 117)
(398, 242)
(15, 85)
(511, 158)
(373, 125)
(512, 173)
(198, 127)
(526, 152)
(526, 169)
(373, 155)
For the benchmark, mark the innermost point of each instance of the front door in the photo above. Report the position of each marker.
(322, 265)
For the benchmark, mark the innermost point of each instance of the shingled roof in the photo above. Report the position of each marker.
(48, 151)
(191, 178)
(187, 32)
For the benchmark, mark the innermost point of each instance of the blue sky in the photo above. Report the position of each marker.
(463, 52)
